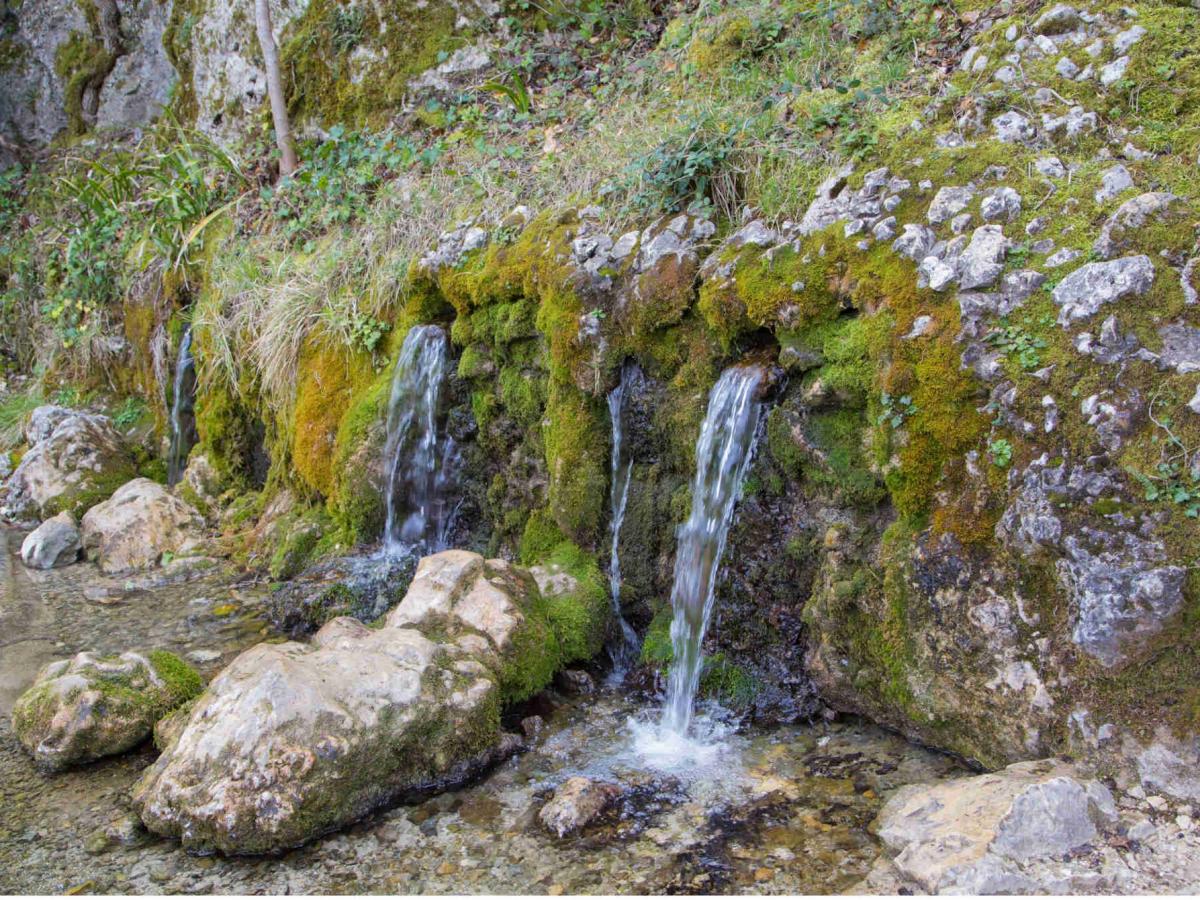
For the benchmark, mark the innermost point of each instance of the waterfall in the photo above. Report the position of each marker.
(723, 453)
(621, 472)
(183, 417)
(419, 455)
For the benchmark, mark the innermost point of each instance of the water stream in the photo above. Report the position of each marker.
(419, 454)
(723, 452)
(624, 650)
(183, 417)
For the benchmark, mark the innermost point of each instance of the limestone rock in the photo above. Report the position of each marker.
(1084, 291)
(90, 706)
(577, 802)
(1058, 19)
(52, 544)
(1012, 127)
(78, 463)
(293, 740)
(43, 420)
(1114, 182)
(983, 260)
(949, 202)
(1122, 226)
(139, 86)
(973, 835)
(137, 525)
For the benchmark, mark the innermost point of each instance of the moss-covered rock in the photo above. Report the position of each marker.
(90, 706)
(469, 636)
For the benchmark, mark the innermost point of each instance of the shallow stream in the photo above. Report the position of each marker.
(778, 810)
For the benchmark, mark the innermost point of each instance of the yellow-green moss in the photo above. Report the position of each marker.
(402, 41)
(328, 379)
(575, 432)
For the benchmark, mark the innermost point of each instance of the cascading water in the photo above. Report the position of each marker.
(183, 417)
(723, 453)
(622, 652)
(419, 455)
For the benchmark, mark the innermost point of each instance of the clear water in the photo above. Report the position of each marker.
(183, 420)
(721, 810)
(624, 650)
(420, 454)
(723, 452)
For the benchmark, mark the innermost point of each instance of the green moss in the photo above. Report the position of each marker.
(328, 380)
(656, 643)
(575, 433)
(579, 618)
(83, 62)
(317, 50)
(541, 536)
(183, 683)
(298, 538)
(727, 683)
(717, 45)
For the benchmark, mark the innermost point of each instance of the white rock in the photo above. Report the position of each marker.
(1066, 68)
(1114, 71)
(137, 525)
(949, 202)
(1050, 166)
(1084, 291)
(1127, 38)
(983, 260)
(935, 274)
(1114, 182)
(1012, 127)
(52, 544)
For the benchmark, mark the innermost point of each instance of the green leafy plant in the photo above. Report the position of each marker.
(513, 90)
(895, 410)
(1016, 340)
(1001, 453)
(129, 413)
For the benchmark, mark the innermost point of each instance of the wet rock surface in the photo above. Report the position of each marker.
(93, 705)
(52, 544)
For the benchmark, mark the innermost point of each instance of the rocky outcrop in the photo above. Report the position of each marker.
(986, 835)
(140, 523)
(576, 803)
(53, 543)
(293, 740)
(90, 706)
(75, 460)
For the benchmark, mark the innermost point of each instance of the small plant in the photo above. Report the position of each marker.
(895, 410)
(1001, 453)
(1016, 340)
(366, 332)
(513, 90)
(129, 413)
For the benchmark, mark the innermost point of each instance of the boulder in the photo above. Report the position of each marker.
(975, 835)
(293, 740)
(137, 525)
(577, 803)
(43, 420)
(52, 544)
(90, 706)
(74, 462)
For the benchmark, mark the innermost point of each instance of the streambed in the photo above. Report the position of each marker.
(771, 810)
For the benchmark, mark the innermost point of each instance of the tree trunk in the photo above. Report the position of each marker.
(283, 131)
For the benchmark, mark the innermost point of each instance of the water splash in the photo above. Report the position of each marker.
(420, 456)
(624, 651)
(183, 417)
(723, 452)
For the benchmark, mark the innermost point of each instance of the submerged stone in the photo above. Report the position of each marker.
(578, 802)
